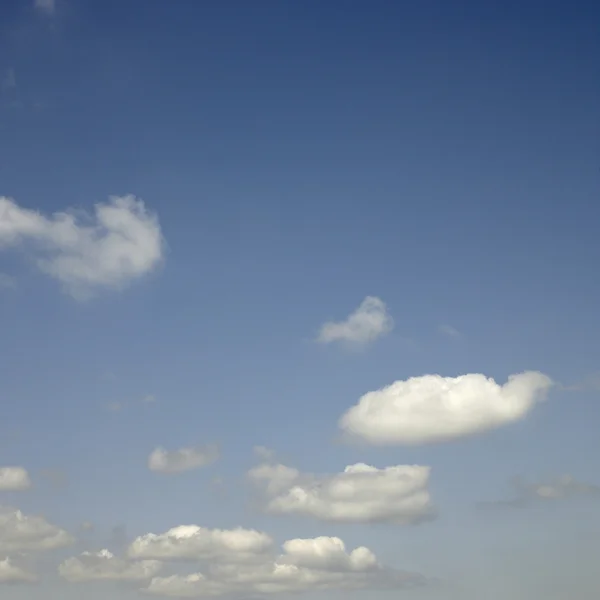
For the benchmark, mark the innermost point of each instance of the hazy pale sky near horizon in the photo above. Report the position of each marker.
(299, 297)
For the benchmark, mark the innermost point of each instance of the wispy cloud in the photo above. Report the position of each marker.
(184, 459)
(9, 81)
(449, 331)
(7, 282)
(368, 322)
(45, 6)
(526, 493)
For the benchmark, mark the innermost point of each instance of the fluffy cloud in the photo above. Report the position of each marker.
(368, 322)
(360, 494)
(122, 243)
(192, 542)
(19, 532)
(12, 573)
(306, 565)
(433, 408)
(103, 565)
(184, 459)
(14, 479)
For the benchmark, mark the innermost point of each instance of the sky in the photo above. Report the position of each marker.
(299, 298)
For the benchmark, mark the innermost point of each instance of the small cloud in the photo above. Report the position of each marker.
(119, 244)
(7, 282)
(14, 479)
(115, 406)
(87, 526)
(184, 459)
(590, 384)
(557, 488)
(9, 82)
(263, 453)
(449, 331)
(45, 6)
(149, 399)
(368, 322)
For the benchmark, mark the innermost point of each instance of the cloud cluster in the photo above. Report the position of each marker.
(28, 533)
(184, 459)
(192, 542)
(321, 563)
(14, 479)
(368, 322)
(360, 494)
(433, 408)
(103, 565)
(120, 244)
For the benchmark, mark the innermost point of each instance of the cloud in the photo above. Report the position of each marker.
(321, 563)
(45, 6)
(23, 533)
(360, 494)
(368, 322)
(11, 573)
(14, 479)
(450, 331)
(263, 452)
(103, 565)
(192, 542)
(122, 243)
(7, 282)
(557, 488)
(433, 408)
(184, 459)
(87, 526)
(9, 81)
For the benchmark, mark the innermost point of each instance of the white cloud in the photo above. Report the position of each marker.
(433, 408)
(263, 452)
(103, 565)
(192, 542)
(368, 322)
(20, 532)
(12, 573)
(306, 565)
(450, 331)
(46, 6)
(360, 494)
(184, 459)
(14, 479)
(123, 243)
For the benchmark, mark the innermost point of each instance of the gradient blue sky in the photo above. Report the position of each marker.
(300, 156)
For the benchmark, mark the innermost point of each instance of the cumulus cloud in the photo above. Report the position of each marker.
(45, 6)
(192, 542)
(184, 459)
(305, 565)
(556, 488)
(104, 565)
(120, 244)
(12, 573)
(14, 479)
(360, 494)
(368, 322)
(433, 408)
(24, 533)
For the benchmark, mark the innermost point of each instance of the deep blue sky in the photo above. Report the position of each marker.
(443, 156)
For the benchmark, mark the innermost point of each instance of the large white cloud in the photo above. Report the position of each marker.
(192, 542)
(13, 573)
(368, 322)
(433, 408)
(103, 565)
(122, 243)
(14, 479)
(184, 459)
(20, 532)
(360, 494)
(321, 563)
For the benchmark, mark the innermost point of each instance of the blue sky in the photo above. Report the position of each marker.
(294, 159)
